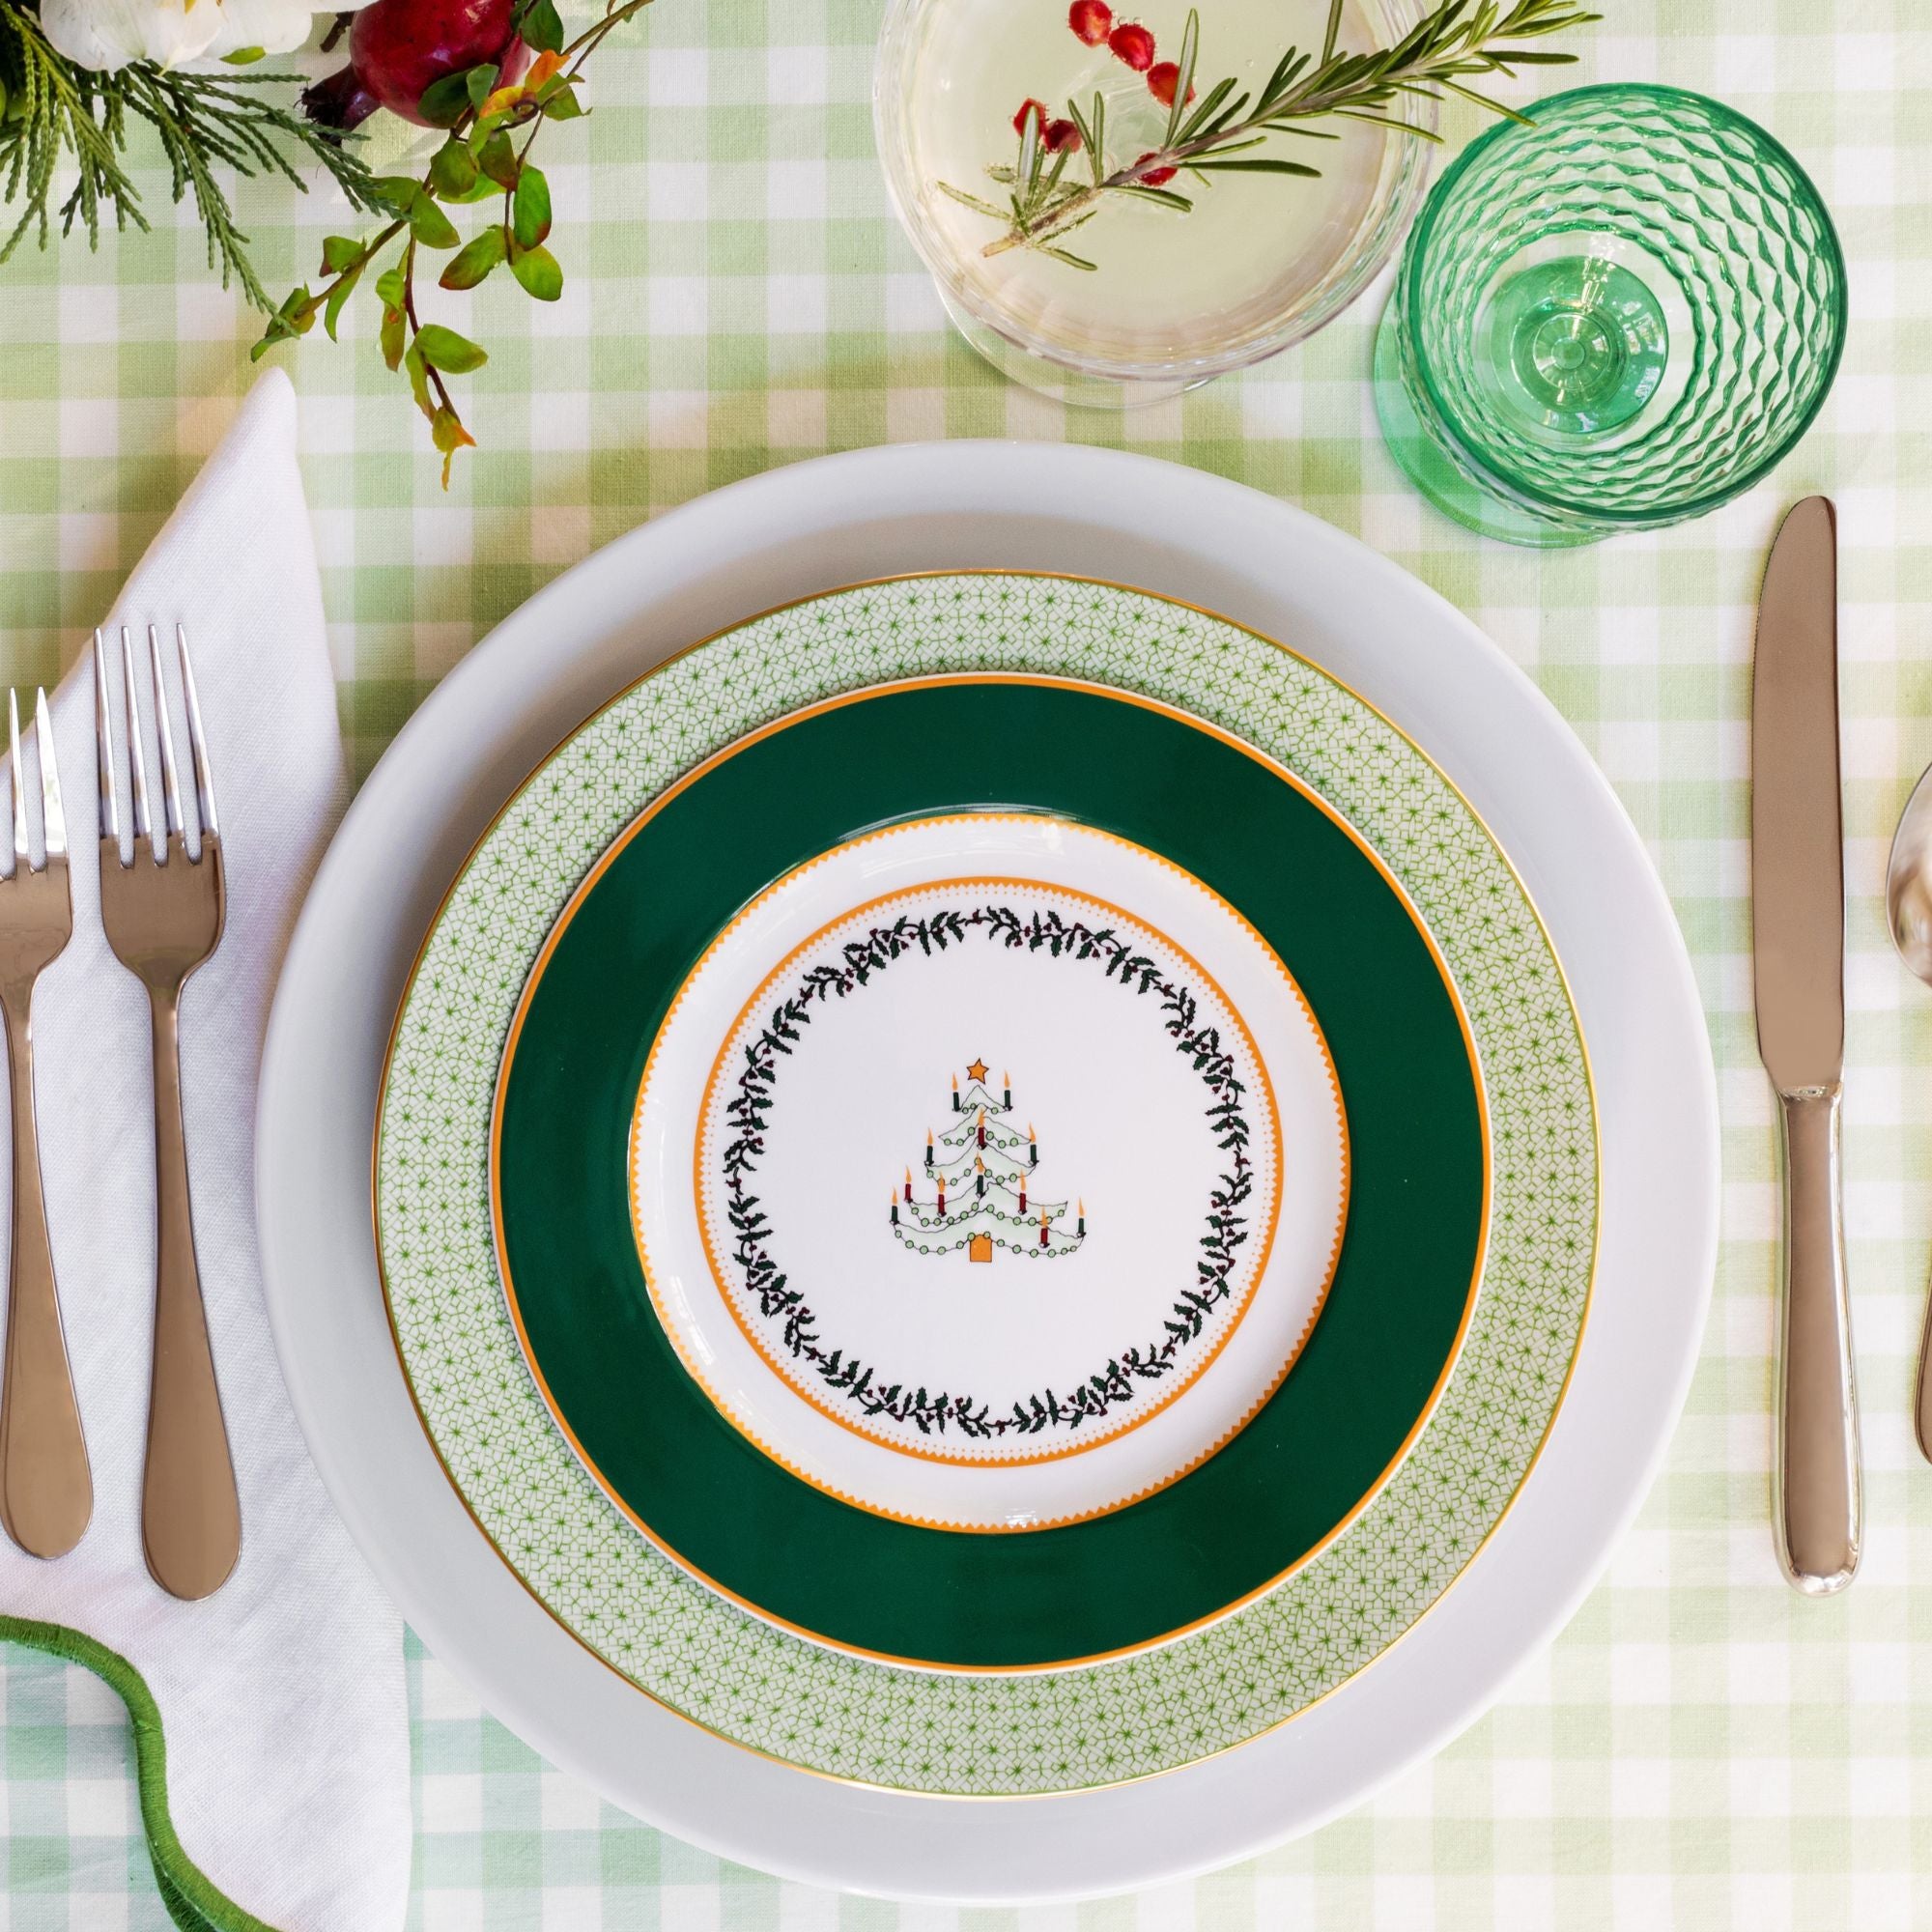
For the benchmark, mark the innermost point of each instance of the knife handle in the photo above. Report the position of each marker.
(1819, 1505)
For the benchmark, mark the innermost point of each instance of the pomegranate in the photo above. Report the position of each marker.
(397, 47)
(1163, 79)
(1091, 19)
(1130, 43)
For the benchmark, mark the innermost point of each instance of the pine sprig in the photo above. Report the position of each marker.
(209, 121)
(55, 111)
(1456, 42)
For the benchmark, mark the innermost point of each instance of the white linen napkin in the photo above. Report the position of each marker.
(280, 1698)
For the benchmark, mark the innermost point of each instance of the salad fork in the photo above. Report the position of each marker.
(46, 1492)
(163, 910)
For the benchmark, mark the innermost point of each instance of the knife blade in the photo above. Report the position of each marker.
(1797, 953)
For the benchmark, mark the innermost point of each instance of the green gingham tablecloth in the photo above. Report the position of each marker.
(1701, 1749)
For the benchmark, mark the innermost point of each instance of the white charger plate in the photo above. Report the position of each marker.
(759, 544)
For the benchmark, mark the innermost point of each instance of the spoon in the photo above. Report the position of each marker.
(1908, 911)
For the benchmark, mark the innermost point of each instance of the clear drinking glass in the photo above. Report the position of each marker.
(1174, 300)
(1615, 318)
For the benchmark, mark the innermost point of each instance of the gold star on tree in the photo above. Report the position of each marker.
(976, 1072)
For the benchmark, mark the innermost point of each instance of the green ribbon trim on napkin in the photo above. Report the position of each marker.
(192, 1900)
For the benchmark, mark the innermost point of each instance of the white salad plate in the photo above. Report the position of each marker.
(856, 518)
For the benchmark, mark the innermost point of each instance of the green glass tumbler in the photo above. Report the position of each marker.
(1614, 317)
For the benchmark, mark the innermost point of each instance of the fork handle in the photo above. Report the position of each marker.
(46, 1492)
(190, 1515)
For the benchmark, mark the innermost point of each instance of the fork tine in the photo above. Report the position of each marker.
(108, 821)
(171, 805)
(53, 820)
(197, 742)
(137, 763)
(20, 859)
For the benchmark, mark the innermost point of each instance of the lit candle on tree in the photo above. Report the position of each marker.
(908, 1187)
(1081, 1230)
(895, 1208)
(1042, 1228)
(955, 1093)
(979, 1177)
(928, 1147)
(1033, 1146)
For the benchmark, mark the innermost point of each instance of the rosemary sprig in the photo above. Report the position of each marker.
(204, 122)
(1455, 42)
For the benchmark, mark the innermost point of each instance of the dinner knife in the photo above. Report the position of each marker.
(1798, 932)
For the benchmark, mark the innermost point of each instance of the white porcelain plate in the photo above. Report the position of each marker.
(1033, 1211)
(755, 546)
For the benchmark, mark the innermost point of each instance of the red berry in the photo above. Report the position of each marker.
(1154, 176)
(1090, 19)
(1060, 134)
(1133, 44)
(1162, 80)
(397, 47)
(1029, 107)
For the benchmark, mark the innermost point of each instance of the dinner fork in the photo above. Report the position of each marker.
(163, 910)
(46, 1494)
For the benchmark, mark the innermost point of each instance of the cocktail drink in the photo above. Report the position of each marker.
(1116, 207)
(1170, 298)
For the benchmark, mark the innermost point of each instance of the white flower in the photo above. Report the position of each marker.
(108, 34)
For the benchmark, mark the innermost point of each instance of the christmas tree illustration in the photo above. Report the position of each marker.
(975, 1190)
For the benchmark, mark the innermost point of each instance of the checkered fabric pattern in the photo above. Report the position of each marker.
(1701, 1749)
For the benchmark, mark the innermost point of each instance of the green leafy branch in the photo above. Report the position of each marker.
(1455, 42)
(52, 110)
(485, 158)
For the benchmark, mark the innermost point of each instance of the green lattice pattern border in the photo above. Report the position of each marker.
(983, 1734)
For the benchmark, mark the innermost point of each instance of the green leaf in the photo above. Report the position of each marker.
(337, 296)
(430, 226)
(542, 28)
(396, 192)
(1260, 165)
(475, 259)
(244, 56)
(446, 102)
(283, 325)
(537, 269)
(418, 373)
(389, 287)
(530, 216)
(482, 188)
(392, 337)
(481, 83)
(1166, 197)
(444, 348)
(1183, 83)
(971, 201)
(563, 104)
(499, 161)
(446, 432)
(452, 173)
(338, 252)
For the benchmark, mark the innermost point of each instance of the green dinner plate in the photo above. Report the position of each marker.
(735, 1670)
(794, 1549)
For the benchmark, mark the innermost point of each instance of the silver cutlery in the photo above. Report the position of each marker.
(162, 912)
(1797, 933)
(1908, 908)
(46, 1492)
